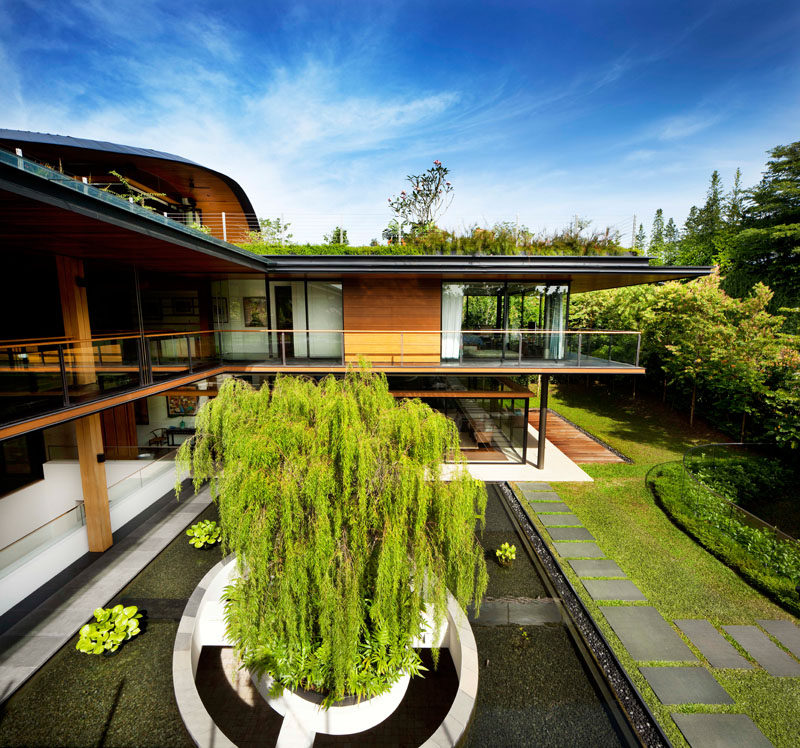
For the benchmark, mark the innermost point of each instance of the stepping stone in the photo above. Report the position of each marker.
(533, 613)
(720, 731)
(551, 506)
(596, 568)
(685, 685)
(540, 496)
(785, 632)
(530, 487)
(712, 645)
(564, 520)
(579, 550)
(493, 613)
(613, 589)
(775, 661)
(646, 635)
(570, 533)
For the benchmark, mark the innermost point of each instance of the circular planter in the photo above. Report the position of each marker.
(345, 717)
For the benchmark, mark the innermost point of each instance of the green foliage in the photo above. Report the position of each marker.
(640, 241)
(338, 235)
(426, 199)
(769, 563)
(111, 627)
(274, 232)
(506, 554)
(126, 191)
(657, 246)
(729, 354)
(331, 496)
(207, 532)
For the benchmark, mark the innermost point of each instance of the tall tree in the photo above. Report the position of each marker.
(672, 238)
(704, 227)
(656, 248)
(640, 242)
(767, 248)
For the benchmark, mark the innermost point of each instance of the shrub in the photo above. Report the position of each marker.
(506, 554)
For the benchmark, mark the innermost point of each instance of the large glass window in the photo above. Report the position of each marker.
(503, 320)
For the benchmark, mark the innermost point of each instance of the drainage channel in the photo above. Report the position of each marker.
(626, 713)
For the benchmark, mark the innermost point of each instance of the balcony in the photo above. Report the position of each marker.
(39, 378)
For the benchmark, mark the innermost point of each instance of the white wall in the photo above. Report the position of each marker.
(157, 414)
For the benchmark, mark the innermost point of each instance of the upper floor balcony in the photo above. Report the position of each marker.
(68, 378)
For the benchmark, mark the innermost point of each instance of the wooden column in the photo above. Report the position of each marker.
(75, 310)
(542, 421)
(93, 479)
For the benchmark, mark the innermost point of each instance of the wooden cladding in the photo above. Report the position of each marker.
(119, 432)
(390, 306)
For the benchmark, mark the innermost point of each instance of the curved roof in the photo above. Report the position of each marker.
(16, 138)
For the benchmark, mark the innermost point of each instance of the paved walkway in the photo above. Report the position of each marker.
(27, 645)
(672, 670)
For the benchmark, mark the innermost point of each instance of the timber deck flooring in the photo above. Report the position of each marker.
(573, 443)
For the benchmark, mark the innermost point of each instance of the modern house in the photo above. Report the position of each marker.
(122, 313)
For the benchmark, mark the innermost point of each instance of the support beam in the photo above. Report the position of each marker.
(93, 479)
(75, 310)
(542, 420)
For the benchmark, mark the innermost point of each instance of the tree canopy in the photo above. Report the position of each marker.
(332, 498)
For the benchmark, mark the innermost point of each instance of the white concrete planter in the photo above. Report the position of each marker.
(203, 625)
(345, 718)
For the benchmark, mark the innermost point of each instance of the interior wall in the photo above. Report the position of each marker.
(158, 418)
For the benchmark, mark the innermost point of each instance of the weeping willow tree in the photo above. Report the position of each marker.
(332, 499)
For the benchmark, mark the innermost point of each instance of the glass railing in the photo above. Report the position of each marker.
(23, 549)
(174, 354)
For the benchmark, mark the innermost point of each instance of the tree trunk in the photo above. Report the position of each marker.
(741, 435)
(694, 400)
(633, 396)
(664, 394)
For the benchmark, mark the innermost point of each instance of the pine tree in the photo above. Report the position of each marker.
(656, 249)
(640, 243)
(672, 240)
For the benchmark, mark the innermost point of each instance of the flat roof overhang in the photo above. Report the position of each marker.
(583, 273)
(40, 215)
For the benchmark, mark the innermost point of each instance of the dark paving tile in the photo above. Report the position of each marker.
(532, 487)
(785, 632)
(712, 645)
(539, 496)
(685, 685)
(720, 731)
(613, 589)
(775, 661)
(534, 613)
(646, 635)
(579, 550)
(570, 533)
(597, 568)
(551, 506)
(559, 520)
(492, 613)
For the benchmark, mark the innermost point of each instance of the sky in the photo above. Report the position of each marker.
(542, 110)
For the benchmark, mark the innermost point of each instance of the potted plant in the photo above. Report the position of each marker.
(506, 554)
(331, 496)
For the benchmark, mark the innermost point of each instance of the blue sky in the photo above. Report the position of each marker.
(541, 110)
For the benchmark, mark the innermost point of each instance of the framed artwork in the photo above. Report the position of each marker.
(219, 309)
(183, 306)
(181, 405)
(255, 311)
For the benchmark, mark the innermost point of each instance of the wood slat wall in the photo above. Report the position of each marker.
(119, 431)
(391, 305)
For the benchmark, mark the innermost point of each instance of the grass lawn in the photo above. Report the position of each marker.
(676, 575)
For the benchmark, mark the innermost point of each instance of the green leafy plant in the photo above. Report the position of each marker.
(506, 554)
(332, 497)
(130, 193)
(204, 533)
(111, 627)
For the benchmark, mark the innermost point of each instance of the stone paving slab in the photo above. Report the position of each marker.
(646, 635)
(540, 496)
(551, 506)
(712, 645)
(569, 533)
(613, 589)
(534, 613)
(785, 632)
(561, 520)
(775, 661)
(599, 568)
(493, 613)
(532, 487)
(720, 731)
(579, 550)
(685, 685)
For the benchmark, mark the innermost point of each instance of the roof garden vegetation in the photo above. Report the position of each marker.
(345, 533)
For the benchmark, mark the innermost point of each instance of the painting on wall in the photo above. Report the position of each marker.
(219, 308)
(255, 311)
(181, 405)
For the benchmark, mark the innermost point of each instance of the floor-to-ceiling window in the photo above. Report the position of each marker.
(501, 320)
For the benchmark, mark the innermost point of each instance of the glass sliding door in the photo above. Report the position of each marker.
(324, 316)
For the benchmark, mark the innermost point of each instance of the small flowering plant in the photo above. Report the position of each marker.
(429, 196)
(506, 554)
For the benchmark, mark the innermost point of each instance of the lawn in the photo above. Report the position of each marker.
(676, 575)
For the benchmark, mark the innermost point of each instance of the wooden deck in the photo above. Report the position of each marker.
(573, 443)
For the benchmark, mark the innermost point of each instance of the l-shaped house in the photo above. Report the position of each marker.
(124, 304)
